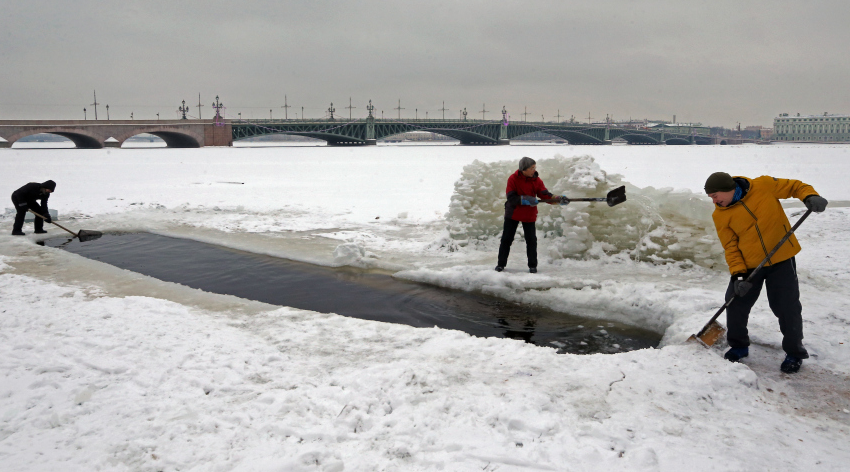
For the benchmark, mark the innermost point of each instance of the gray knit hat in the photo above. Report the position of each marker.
(719, 182)
(525, 163)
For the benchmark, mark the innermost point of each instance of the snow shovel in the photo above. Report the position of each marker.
(712, 331)
(83, 235)
(614, 197)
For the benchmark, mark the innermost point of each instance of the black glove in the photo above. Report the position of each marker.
(740, 284)
(816, 203)
(47, 218)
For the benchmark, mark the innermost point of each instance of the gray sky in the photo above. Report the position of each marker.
(716, 62)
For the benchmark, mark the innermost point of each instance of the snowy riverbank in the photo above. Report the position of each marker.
(108, 370)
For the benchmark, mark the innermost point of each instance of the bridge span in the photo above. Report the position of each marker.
(91, 134)
(97, 134)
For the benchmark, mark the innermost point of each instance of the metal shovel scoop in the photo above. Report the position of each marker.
(614, 197)
(83, 235)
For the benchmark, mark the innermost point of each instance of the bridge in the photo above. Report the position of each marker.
(96, 134)
(473, 132)
(93, 134)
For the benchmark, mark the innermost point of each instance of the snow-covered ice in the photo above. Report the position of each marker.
(104, 369)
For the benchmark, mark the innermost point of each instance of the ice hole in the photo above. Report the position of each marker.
(351, 292)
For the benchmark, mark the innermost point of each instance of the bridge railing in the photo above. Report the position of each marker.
(337, 121)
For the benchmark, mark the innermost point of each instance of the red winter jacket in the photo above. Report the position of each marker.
(519, 185)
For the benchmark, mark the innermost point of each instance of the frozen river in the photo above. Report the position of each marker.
(103, 368)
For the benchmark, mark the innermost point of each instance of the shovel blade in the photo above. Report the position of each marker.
(710, 334)
(616, 196)
(86, 235)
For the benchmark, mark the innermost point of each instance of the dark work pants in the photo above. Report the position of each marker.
(508, 234)
(22, 208)
(783, 295)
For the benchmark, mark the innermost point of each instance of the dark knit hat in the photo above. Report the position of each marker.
(719, 182)
(525, 163)
(49, 184)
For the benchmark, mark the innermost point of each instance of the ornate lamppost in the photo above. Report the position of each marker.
(183, 109)
(218, 106)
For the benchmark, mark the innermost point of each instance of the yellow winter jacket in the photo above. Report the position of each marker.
(751, 227)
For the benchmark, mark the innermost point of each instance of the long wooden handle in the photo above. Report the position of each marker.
(590, 199)
(53, 222)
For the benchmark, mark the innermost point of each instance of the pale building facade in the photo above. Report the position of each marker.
(812, 128)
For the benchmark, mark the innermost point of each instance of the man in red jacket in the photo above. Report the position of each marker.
(524, 188)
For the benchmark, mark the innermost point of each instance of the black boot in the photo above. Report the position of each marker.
(737, 353)
(791, 364)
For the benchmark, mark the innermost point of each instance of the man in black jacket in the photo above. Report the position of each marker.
(25, 198)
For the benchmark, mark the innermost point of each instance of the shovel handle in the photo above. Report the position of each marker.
(557, 200)
(53, 222)
(758, 268)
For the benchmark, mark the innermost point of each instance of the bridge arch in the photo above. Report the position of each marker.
(48, 138)
(465, 137)
(638, 139)
(173, 138)
(677, 141)
(572, 137)
(466, 132)
(81, 138)
(329, 138)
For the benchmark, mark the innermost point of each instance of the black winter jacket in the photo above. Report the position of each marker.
(31, 192)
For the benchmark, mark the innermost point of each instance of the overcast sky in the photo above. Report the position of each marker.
(715, 62)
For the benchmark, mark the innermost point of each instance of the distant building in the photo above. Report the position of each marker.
(752, 132)
(824, 128)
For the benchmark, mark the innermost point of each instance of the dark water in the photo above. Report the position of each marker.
(352, 292)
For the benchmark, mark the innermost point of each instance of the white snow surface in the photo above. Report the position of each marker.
(104, 369)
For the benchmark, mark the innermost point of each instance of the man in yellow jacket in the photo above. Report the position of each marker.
(750, 221)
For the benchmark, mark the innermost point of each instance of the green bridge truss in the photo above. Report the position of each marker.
(369, 130)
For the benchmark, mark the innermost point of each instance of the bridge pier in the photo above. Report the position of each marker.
(503, 130)
(370, 128)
